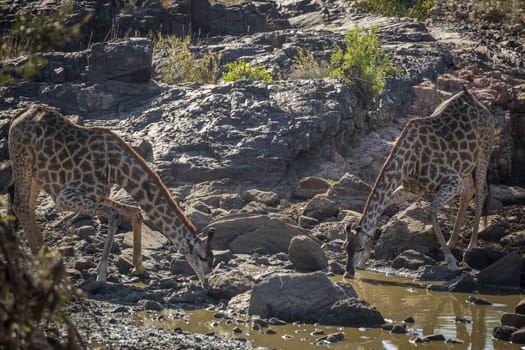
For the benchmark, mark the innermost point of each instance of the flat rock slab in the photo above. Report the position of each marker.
(245, 233)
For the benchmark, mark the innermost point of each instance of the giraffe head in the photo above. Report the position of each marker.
(358, 246)
(200, 256)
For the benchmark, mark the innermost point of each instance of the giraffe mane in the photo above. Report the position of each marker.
(385, 164)
(154, 176)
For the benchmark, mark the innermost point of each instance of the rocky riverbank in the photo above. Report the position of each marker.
(278, 168)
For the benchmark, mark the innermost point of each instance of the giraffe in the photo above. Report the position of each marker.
(77, 167)
(444, 155)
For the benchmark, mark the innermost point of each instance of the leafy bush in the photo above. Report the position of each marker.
(32, 35)
(33, 290)
(362, 62)
(242, 70)
(183, 65)
(305, 66)
(419, 9)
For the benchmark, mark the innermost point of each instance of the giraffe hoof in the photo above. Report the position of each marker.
(141, 274)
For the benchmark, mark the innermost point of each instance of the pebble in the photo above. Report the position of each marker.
(478, 301)
(399, 329)
(410, 320)
(276, 322)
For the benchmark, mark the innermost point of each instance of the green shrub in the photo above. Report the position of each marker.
(183, 66)
(33, 35)
(242, 70)
(419, 9)
(305, 66)
(362, 62)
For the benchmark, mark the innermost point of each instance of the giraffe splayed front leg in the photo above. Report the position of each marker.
(71, 198)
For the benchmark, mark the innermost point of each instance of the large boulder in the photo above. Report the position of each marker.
(244, 233)
(310, 186)
(479, 258)
(297, 297)
(506, 272)
(124, 60)
(408, 229)
(350, 193)
(306, 254)
(321, 207)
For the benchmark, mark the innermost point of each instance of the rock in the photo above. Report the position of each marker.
(350, 193)
(243, 233)
(297, 297)
(437, 288)
(321, 207)
(514, 239)
(478, 301)
(276, 322)
(151, 305)
(520, 308)
(198, 218)
(180, 266)
(503, 332)
(268, 198)
(410, 319)
(408, 229)
(240, 303)
(480, 258)
(125, 60)
(518, 337)
(83, 264)
(91, 286)
(352, 312)
(310, 186)
(151, 239)
(435, 337)
(454, 341)
(425, 98)
(86, 232)
(222, 256)
(506, 272)
(306, 254)
(513, 320)
(497, 228)
(399, 329)
(331, 338)
(306, 221)
(435, 273)
(124, 265)
(227, 284)
(463, 284)
(411, 259)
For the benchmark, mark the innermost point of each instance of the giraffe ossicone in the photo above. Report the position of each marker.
(77, 166)
(445, 155)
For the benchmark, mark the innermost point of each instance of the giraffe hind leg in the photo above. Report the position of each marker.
(451, 186)
(70, 199)
(24, 198)
(135, 216)
(465, 198)
(481, 196)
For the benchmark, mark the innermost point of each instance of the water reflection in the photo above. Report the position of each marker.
(396, 298)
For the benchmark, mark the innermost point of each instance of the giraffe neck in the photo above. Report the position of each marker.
(388, 180)
(147, 189)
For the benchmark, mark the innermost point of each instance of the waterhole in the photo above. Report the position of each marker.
(396, 298)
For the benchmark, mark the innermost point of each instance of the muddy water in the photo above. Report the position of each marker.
(396, 298)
